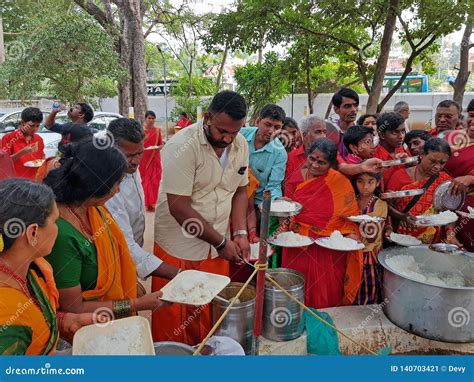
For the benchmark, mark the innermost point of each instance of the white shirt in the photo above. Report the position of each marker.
(127, 207)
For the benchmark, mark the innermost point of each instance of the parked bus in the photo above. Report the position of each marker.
(411, 84)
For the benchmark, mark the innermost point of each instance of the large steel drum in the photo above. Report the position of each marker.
(442, 313)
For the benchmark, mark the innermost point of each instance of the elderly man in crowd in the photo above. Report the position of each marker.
(403, 109)
(313, 128)
(203, 193)
(447, 117)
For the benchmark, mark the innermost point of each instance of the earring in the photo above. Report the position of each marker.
(35, 241)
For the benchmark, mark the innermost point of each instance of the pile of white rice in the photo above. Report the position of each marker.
(408, 267)
(282, 206)
(292, 239)
(124, 341)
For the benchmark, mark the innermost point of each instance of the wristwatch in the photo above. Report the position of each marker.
(241, 232)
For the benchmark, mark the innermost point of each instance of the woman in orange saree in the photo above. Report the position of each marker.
(332, 278)
(150, 164)
(427, 174)
(29, 321)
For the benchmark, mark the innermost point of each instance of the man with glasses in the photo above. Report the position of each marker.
(267, 154)
(447, 117)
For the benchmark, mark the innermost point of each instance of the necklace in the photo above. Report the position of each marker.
(21, 281)
(371, 199)
(84, 226)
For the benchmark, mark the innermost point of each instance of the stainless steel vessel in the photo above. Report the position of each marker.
(439, 313)
(282, 317)
(238, 324)
(172, 348)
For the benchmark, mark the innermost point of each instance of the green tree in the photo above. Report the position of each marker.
(262, 83)
(61, 59)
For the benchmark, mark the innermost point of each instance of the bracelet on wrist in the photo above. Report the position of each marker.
(121, 308)
(240, 232)
(221, 245)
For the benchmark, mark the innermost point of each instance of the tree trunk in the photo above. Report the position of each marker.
(463, 74)
(190, 84)
(124, 100)
(382, 61)
(260, 51)
(134, 18)
(221, 67)
(309, 91)
(2, 44)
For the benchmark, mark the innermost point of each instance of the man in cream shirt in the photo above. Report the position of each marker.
(202, 194)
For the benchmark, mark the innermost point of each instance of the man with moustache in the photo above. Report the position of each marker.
(202, 194)
(346, 106)
(312, 128)
(447, 117)
(267, 154)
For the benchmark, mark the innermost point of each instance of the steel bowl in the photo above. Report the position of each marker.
(172, 348)
(402, 194)
(430, 311)
(296, 211)
(401, 161)
(443, 200)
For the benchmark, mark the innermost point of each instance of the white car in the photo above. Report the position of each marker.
(9, 121)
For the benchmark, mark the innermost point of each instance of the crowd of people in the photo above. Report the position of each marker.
(72, 231)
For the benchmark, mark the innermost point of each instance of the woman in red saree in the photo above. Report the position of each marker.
(427, 174)
(461, 167)
(150, 164)
(332, 277)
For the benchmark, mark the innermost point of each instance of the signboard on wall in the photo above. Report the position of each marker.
(159, 88)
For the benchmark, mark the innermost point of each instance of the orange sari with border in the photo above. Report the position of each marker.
(25, 327)
(332, 277)
(117, 275)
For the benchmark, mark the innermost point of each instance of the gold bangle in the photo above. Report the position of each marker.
(121, 308)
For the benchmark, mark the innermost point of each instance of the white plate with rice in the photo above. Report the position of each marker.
(441, 219)
(290, 239)
(365, 219)
(127, 336)
(404, 240)
(194, 287)
(338, 242)
(284, 208)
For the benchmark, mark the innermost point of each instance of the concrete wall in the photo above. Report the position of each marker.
(422, 105)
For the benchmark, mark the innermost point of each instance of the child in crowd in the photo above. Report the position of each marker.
(415, 140)
(367, 189)
(370, 120)
(290, 135)
(391, 128)
(359, 141)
